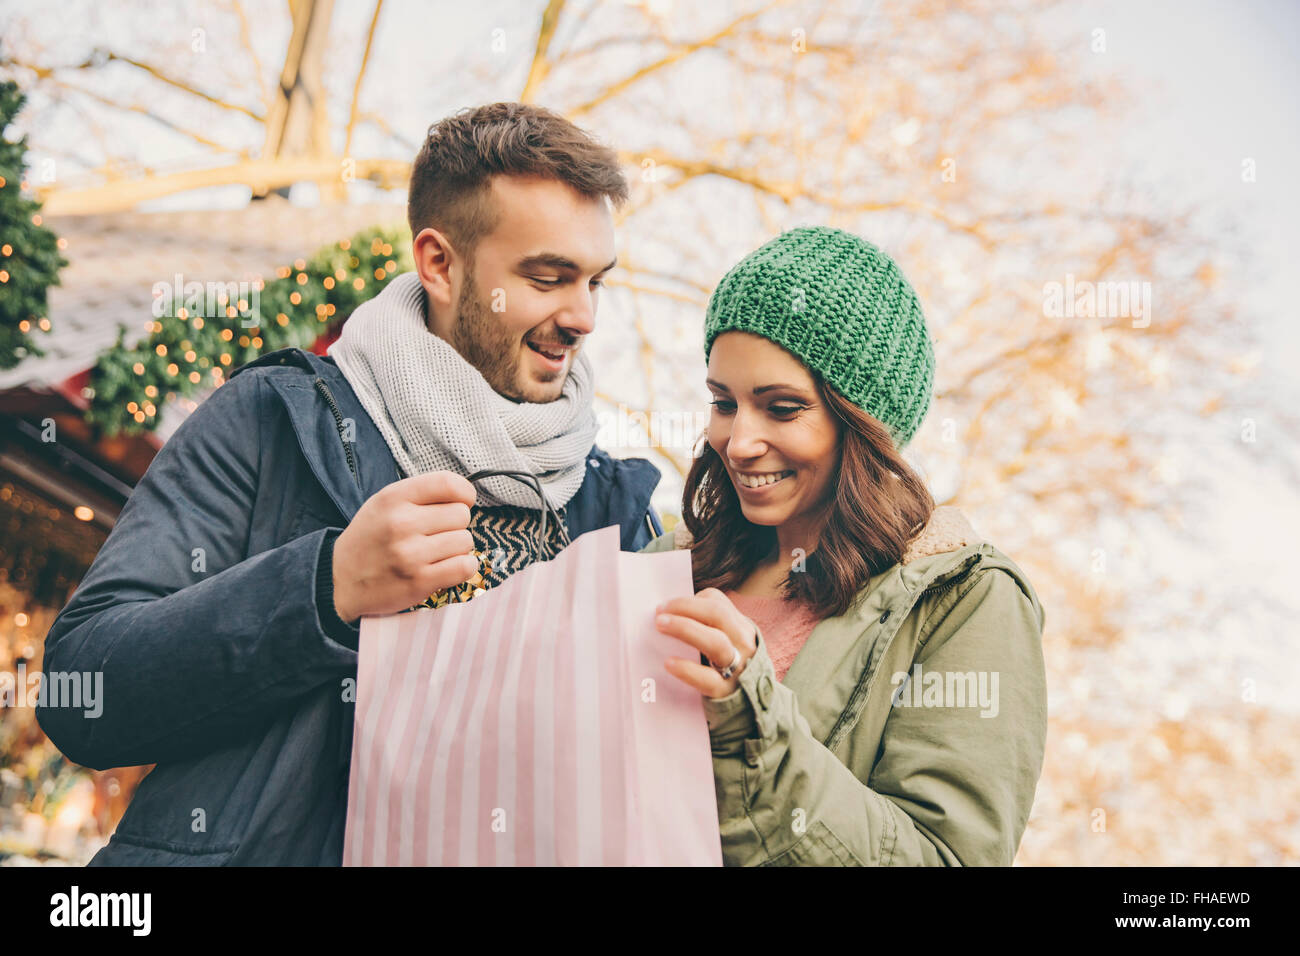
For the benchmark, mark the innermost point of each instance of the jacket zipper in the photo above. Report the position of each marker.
(338, 424)
(860, 691)
(941, 588)
(954, 579)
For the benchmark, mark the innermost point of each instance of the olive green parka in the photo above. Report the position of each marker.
(909, 731)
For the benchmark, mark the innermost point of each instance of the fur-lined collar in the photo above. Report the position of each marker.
(947, 530)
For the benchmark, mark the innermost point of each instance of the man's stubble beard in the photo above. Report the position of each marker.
(478, 339)
(477, 336)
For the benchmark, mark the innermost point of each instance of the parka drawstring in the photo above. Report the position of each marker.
(338, 423)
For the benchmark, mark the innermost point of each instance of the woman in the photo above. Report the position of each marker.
(876, 694)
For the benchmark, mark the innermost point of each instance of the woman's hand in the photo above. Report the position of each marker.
(710, 623)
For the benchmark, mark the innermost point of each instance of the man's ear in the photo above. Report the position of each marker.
(435, 259)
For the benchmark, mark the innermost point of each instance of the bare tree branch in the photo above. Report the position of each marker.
(377, 120)
(541, 65)
(676, 56)
(788, 192)
(679, 465)
(100, 57)
(246, 40)
(603, 45)
(150, 114)
(631, 268)
(259, 174)
(361, 76)
(692, 300)
(181, 85)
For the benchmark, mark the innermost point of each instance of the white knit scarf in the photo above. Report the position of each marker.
(438, 413)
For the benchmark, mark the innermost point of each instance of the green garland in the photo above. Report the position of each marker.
(186, 353)
(29, 252)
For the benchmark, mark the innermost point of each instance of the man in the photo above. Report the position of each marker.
(223, 611)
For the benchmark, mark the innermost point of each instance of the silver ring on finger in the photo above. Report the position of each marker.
(730, 669)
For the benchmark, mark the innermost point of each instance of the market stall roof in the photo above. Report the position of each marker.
(114, 261)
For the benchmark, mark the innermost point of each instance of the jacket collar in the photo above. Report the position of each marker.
(947, 530)
(322, 443)
(946, 551)
(324, 438)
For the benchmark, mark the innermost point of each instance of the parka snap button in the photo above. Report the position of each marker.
(765, 691)
(884, 617)
(593, 462)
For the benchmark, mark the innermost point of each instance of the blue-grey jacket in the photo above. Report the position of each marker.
(202, 613)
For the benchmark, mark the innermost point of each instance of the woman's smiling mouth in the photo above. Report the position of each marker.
(757, 481)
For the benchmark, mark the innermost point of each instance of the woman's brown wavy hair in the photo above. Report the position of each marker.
(875, 505)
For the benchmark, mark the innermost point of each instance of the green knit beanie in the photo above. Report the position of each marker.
(843, 308)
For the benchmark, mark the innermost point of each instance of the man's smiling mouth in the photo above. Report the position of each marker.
(554, 352)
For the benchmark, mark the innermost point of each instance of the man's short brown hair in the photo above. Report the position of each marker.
(451, 178)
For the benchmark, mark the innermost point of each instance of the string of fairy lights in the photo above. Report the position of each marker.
(188, 351)
(7, 252)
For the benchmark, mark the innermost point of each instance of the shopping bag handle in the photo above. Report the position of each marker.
(530, 479)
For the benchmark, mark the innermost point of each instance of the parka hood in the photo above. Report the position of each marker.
(947, 530)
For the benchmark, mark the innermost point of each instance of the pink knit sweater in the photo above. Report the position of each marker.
(785, 626)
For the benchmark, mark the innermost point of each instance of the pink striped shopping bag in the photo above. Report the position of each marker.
(534, 725)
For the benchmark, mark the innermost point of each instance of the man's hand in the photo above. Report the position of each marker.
(407, 541)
